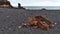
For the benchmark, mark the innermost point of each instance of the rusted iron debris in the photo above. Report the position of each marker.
(39, 22)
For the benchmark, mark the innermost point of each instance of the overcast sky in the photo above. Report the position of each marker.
(36, 2)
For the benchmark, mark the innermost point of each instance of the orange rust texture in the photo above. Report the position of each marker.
(40, 22)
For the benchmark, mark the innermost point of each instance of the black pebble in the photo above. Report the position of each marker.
(14, 30)
(2, 30)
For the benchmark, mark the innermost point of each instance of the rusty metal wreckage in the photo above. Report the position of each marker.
(39, 22)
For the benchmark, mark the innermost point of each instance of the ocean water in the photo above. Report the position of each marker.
(41, 7)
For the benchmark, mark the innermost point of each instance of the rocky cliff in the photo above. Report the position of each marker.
(6, 4)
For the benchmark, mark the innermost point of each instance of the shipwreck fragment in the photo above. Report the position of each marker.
(45, 21)
(40, 22)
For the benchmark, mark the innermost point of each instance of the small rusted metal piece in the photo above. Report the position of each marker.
(24, 25)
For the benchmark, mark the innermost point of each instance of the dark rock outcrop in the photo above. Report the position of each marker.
(43, 9)
(19, 6)
(5, 4)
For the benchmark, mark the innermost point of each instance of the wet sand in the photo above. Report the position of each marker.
(10, 19)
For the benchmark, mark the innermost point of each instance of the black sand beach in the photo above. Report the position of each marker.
(10, 19)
